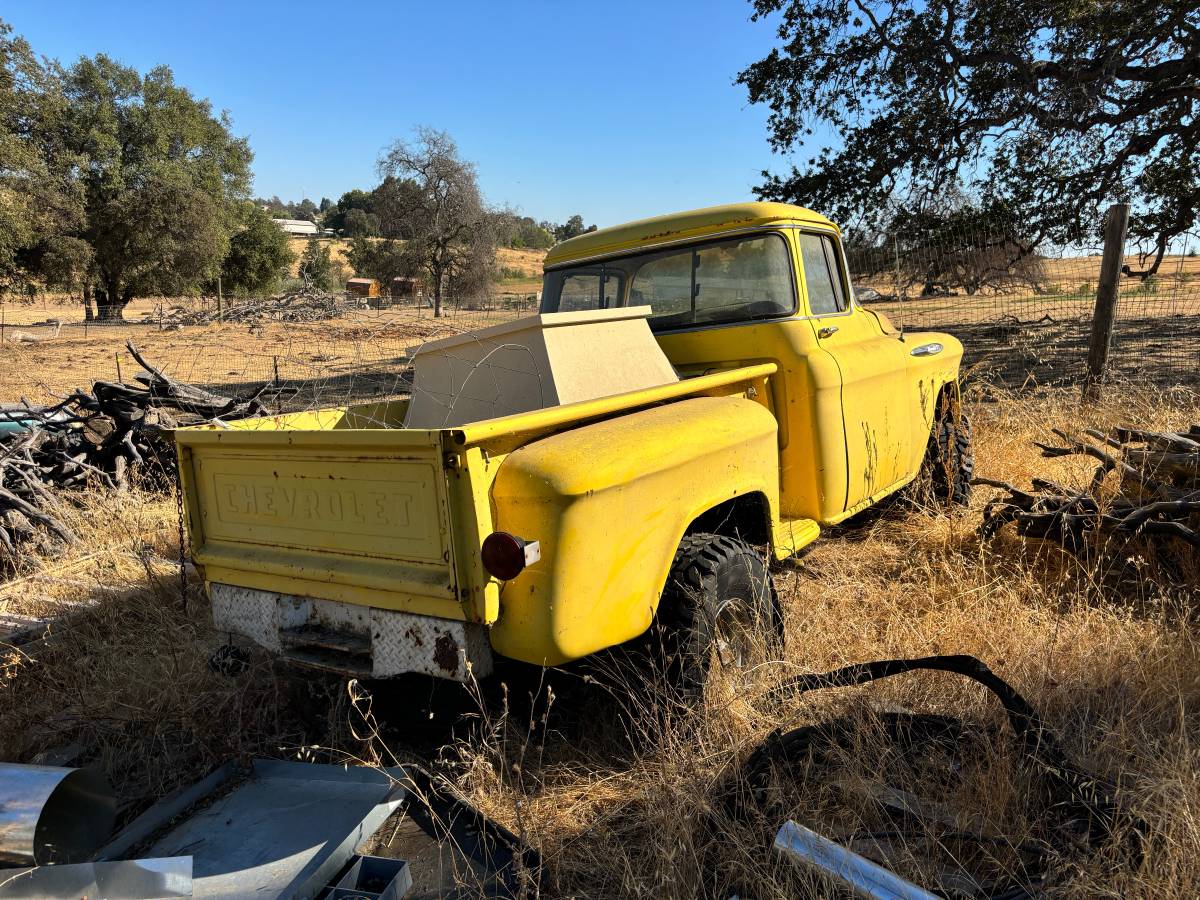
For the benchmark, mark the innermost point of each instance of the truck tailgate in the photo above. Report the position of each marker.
(358, 516)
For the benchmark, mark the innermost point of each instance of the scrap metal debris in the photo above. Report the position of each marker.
(51, 814)
(862, 876)
(101, 438)
(128, 879)
(1158, 500)
(293, 829)
(1079, 811)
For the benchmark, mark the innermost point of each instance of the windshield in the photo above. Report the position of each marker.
(730, 280)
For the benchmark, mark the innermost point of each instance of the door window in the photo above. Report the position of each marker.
(822, 275)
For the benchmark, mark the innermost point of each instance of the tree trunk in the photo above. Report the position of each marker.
(437, 293)
(110, 300)
(88, 314)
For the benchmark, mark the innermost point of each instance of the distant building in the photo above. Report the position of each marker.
(363, 287)
(298, 226)
(405, 288)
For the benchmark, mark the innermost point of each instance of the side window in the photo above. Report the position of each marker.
(589, 290)
(580, 291)
(821, 275)
(665, 285)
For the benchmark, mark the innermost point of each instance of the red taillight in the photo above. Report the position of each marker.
(505, 555)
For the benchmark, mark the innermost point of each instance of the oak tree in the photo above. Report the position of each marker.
(259, 254)
(160, 176)
(448, 229)
(1052, 109)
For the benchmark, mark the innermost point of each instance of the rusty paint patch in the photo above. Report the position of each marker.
(445, 652)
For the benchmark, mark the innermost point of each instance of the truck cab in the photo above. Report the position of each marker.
(749, 283)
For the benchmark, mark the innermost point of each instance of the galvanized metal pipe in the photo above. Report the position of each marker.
(51, 814)
(859, 874)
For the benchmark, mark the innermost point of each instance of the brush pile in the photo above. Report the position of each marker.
(1157, 499)
(104, 438)
(305, 305)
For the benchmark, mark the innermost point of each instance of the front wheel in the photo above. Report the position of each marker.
(950, 456)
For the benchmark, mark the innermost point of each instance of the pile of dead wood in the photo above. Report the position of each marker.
(106, 438)
(305, 305)
(1156, 501)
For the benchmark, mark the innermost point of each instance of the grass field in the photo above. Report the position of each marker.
(1014, 338)
(1108, 656)
(351, 356)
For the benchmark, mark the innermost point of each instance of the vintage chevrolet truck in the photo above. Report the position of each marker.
(342, 540)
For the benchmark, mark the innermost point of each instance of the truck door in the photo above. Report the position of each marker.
(876, 408)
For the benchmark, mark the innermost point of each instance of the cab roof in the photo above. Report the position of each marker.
(696, 223)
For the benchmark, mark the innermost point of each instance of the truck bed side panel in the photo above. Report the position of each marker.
(609, 504)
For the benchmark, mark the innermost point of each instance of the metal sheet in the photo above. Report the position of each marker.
(155, 820)
(284, 832)
(133, 879)
(50, 814)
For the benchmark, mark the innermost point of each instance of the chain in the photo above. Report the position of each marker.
(183, 594)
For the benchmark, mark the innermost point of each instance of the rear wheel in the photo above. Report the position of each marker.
(719, 608)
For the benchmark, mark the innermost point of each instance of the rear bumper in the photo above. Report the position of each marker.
(351, 639)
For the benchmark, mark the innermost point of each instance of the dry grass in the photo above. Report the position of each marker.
(234, 357)
(123, 673)
(1109, 657)
(1114, 671)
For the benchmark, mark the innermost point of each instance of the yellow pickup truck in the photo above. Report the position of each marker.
(342, 540)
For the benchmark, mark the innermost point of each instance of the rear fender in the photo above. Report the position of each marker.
(609, 504)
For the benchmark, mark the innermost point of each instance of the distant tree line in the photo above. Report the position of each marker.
(373, 213)
(116, 184)
(305, 210)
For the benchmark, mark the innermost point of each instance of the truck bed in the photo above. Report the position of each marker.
(345, 505)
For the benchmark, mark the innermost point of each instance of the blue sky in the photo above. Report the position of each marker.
(615, 110)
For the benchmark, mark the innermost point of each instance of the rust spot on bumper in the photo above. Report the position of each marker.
(445, 652)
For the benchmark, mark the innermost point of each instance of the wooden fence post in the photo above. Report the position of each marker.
(1115, 224)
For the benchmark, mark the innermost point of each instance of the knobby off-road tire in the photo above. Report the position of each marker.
(950, 456)
(719, 607)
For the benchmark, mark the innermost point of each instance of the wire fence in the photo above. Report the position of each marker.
(363, 353)
(1023, 313)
